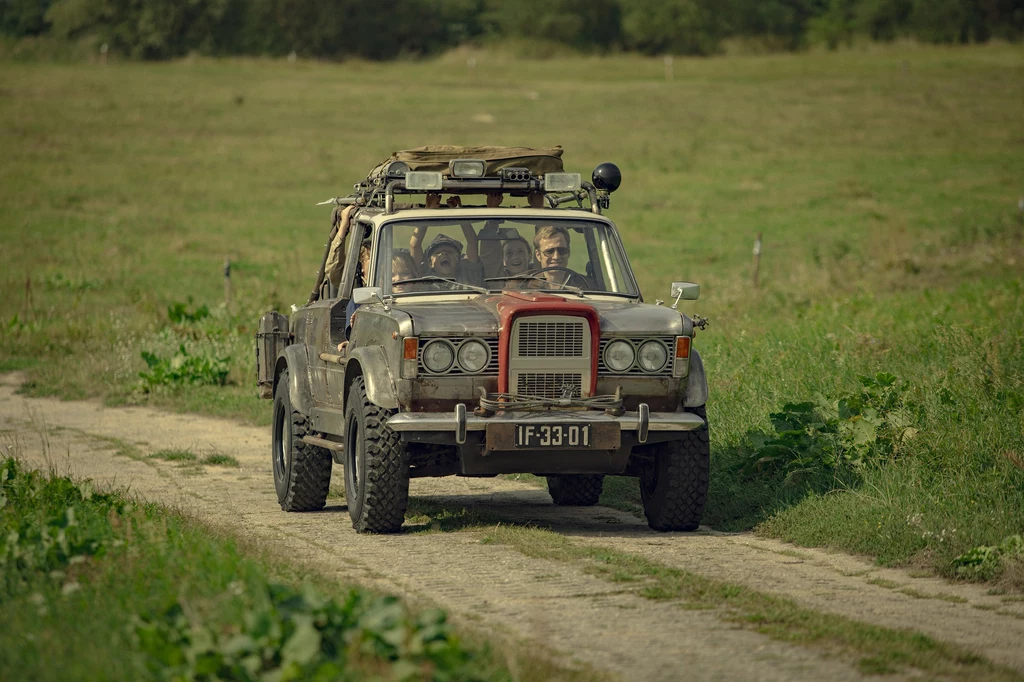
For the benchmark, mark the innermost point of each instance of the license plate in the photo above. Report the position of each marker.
(554, 436)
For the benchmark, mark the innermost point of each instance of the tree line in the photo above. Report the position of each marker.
(385, 29)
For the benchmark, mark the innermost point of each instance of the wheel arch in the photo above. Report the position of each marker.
(371, 363)
(299, 392)
(697, 383)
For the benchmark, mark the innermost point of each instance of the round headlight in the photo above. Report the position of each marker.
(473, 356)
(618, 356)
(438, 356)
(652, 356)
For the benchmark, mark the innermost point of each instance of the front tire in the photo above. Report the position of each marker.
(376, 467)
(575, 490)
(302, 472)
(674, 482)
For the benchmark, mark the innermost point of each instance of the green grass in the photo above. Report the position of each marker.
(175, 455)
(94, 586)
(220, 460)
(885, 181)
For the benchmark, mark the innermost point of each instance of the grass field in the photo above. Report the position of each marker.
(885, 182)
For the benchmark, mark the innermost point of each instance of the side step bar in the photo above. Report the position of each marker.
(324, 443)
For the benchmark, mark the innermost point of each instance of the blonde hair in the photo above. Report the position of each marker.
(406, 259)
(548, 232)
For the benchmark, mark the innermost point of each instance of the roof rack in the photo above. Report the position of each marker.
(540, 174)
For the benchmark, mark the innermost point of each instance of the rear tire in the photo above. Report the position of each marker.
(302, 472)
(376, 466)
(674, 482)
(575, 490)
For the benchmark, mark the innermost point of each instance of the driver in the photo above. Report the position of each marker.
(551, 250)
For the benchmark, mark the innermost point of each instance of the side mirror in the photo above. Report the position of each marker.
(686, 291)
(365, 295)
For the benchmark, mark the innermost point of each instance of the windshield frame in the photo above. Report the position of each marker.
(605, 244)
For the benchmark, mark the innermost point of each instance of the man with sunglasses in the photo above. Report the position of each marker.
(551, 251)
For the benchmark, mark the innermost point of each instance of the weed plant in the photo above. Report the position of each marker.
(93, 586)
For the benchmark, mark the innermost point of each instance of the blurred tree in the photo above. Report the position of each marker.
(685, 27)
(336, 29)
(948, 21)
(145, 29)
(23, 17)
(581, 24)
(883, 19)
(250, 27)
(835, 25)
(1005, 18)
(784, 20)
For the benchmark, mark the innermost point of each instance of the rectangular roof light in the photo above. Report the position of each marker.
(562, 182)
(466, 168)
(423, 180)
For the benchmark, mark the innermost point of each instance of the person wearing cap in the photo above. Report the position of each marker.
(443, 257)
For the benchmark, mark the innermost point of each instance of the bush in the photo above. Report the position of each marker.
(179, 313)
(183, 368)
(829, 435)
(48, 524)
(297, 634)
(987, 562)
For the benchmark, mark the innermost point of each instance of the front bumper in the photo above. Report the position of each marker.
(459, 422)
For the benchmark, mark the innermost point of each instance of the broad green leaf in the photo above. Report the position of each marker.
(304, 644)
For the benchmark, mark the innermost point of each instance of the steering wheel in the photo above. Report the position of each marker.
(572, 279)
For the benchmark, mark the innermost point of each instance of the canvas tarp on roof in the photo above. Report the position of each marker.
(539, 160)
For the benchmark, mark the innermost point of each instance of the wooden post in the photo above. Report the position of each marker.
(28, 297)
(227, 282)
(757, 258)
(668, 67)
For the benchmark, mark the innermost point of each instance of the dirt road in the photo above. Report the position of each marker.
(495, 587)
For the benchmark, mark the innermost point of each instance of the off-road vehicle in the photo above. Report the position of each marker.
(397, 367)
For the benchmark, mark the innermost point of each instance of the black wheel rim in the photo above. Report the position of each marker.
(353, 459)
(282, 441)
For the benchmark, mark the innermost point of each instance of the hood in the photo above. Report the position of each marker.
(480, 316)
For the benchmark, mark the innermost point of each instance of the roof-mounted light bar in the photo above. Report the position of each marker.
(466, 168)
(424, 181)
(562, 182)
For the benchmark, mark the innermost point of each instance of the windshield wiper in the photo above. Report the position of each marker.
(575, 290)
(435, 278)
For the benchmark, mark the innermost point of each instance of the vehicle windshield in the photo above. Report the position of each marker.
(572, 256)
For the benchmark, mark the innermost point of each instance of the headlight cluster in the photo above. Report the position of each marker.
(440, 355)
(621, 355)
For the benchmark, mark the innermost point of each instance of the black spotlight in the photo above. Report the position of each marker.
(607, 176)
(397, 169)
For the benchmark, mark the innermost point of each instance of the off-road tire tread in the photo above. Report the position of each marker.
(386, 480)
(686, 476)
(311, 471)
(310, 475)
(575, 490)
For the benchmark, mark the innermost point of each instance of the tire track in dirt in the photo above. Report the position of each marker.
(494, 587)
